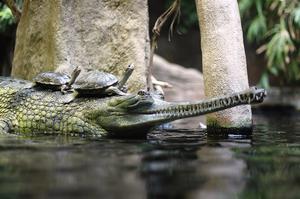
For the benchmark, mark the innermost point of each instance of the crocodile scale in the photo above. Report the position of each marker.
(30, 111)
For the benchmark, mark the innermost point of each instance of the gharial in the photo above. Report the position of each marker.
(27, 110)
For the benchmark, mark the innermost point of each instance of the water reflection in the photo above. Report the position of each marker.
(71, 169)
(170, 171)
(174, 164)
(272, 172)
(200, 167)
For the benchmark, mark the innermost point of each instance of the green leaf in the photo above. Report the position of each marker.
(296, 16)
(295, 70)
(274, 71)
(258, 5)
(244, 6)
(264, 81)
(6, 18)
(279, 47)
(257, 29)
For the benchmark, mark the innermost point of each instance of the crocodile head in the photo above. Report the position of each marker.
(143, 111)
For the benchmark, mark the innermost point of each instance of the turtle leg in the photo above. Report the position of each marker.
(64, 89)
(112, 90)
(124, 89)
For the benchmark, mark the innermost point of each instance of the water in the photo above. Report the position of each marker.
(174, 164)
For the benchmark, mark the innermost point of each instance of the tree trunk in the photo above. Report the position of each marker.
(104, 34)
(224, 60)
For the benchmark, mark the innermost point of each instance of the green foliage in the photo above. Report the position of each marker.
(6, 17)
(274, 25)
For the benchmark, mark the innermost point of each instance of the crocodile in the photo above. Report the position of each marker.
(29, 110)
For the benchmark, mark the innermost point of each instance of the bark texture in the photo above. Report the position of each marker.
(224, 60)
(62, 34)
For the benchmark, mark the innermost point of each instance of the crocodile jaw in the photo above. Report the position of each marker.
(159, 112)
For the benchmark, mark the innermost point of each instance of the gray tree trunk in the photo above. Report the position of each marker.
(62, 34)
(224, 61)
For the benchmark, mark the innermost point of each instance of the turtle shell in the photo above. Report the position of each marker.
(52, 79)
(94, 82)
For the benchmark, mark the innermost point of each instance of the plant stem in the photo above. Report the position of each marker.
(173, 9)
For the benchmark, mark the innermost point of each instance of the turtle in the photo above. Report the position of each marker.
(56, 81)
(99, 83)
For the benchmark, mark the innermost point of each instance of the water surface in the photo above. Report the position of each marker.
(171, 164)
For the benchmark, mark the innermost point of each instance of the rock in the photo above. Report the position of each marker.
(187, 86)
(60, 35)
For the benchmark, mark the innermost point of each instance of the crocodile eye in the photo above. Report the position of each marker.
(143, 93)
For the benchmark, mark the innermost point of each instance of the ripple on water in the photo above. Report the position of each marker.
(178, 163)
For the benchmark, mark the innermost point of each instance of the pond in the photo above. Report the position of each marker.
(170, 164)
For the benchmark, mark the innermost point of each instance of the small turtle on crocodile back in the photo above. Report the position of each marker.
(56, 81)
(98, 83)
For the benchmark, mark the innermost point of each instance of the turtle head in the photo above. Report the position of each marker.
(74, 75)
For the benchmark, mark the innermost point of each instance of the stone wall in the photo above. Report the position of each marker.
(61, 34)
